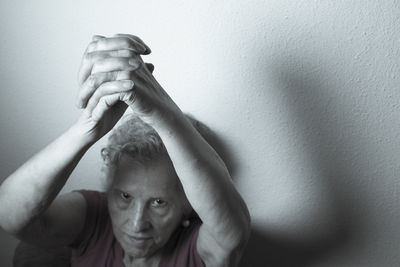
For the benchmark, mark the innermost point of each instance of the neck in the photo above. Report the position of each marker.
(130, 261)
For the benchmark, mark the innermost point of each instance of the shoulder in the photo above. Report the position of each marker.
(59, 224)
(96, 215)
(96, 242)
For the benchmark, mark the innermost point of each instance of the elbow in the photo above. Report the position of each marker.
(242, 232)
(8, 226)
(6, 221)
(13, 225)
(238, 247)
(246, 229)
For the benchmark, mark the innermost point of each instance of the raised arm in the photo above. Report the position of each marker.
(29, 208)
(209, 188)
(27, 193)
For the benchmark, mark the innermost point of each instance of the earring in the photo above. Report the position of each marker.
(186, 223)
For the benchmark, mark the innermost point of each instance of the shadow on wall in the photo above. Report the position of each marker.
(268, 250)
(310, 100)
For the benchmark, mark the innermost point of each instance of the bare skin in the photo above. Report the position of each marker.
(113, 78)
(146, 204)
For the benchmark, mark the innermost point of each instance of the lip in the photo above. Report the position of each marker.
(137, 240)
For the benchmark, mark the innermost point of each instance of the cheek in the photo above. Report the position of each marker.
(164, 223)
(116, 213)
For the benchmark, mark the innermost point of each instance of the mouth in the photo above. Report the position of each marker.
(137, 240)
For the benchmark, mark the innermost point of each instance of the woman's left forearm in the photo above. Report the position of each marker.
(204, 176)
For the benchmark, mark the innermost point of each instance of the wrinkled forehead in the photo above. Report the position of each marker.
(155, 177)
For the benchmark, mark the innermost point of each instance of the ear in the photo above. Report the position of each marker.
(186, 223)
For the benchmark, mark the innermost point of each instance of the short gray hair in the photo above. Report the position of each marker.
(137, 139)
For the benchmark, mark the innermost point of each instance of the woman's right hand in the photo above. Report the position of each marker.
(107, 66)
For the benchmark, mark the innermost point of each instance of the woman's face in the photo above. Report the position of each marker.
(146, 204)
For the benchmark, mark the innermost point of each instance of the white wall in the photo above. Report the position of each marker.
(302, 94)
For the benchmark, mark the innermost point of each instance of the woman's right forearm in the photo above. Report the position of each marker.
(28, 192)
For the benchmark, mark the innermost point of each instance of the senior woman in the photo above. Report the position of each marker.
(170, 199)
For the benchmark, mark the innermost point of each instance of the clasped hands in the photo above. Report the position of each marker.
(113, 76)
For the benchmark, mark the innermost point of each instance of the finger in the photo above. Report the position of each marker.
(107, 102)
(150, 67)
(97, 37)
(109, 88)
(99, 55)
(106, 44)
(90, 58)
(117, 43)
(94, 81)
(104, 104)
(137, 39)
(116, 64)
(84, 69)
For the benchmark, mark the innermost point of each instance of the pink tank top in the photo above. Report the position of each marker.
(97, 246)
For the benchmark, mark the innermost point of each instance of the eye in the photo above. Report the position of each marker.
(158, 202)
(125, 196)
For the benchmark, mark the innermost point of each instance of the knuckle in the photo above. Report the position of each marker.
(122, 53)
(92, 46)
(111, 86)
(97, 65)
(87, 56)
(114, 75)
(96, 56)
(128, 53)
(114, 53)
(123, 75)
(101, 89)
(101, 43)
(101, 77)
(92, 80)
(96, 97)
(126, 42)
(122, 62)
(103, 100)
(126, 97)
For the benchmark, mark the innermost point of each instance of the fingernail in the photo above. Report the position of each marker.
(143, 48)
(148, 50)
(133, 62)
(128, 84)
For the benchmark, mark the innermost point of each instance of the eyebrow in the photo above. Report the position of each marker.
(158, 196)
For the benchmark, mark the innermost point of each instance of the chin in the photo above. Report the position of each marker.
(139, 249)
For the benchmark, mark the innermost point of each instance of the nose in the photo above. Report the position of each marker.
(139, 221)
